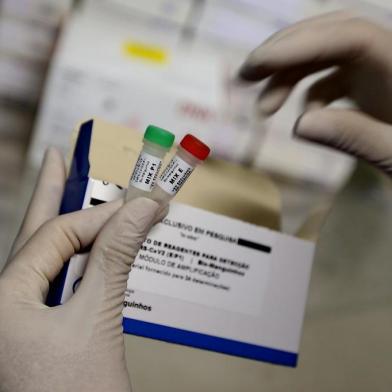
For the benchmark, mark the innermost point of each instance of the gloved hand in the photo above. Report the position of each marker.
(78, 346)
(361, 53)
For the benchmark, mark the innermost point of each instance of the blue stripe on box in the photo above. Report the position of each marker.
(74, 192)
(208, 342)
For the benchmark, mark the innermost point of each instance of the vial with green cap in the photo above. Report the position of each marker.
(190, 153)
(156, 143)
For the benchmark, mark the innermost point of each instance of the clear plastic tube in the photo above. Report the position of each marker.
(156, 144)
(190, 153)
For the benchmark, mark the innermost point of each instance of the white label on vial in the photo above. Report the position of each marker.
(175, 175)
(146, 171)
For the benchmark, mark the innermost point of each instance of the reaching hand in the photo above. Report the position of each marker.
(361, 54)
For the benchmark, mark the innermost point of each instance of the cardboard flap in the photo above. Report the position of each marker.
(217, 186)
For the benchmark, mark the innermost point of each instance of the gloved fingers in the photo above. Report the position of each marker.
(349, 131)
(325, 44)
(327, 90)
(103, 286)
(46, 198)
(40, 260)
(163, 210)
(315, 21)
(280, 86)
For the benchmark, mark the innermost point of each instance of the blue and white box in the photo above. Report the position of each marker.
(201, 278)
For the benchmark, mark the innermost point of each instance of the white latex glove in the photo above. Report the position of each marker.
(361, 53)
(78, 346)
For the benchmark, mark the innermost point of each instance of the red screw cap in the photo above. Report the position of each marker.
(195, 147)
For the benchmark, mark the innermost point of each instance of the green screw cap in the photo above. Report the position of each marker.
(159, 136)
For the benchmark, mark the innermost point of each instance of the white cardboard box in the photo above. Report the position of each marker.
(201, 278)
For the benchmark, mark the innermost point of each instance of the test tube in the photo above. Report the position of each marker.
(190, 153)
(156, 143)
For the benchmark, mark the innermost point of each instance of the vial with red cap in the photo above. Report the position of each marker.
(190, 153)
